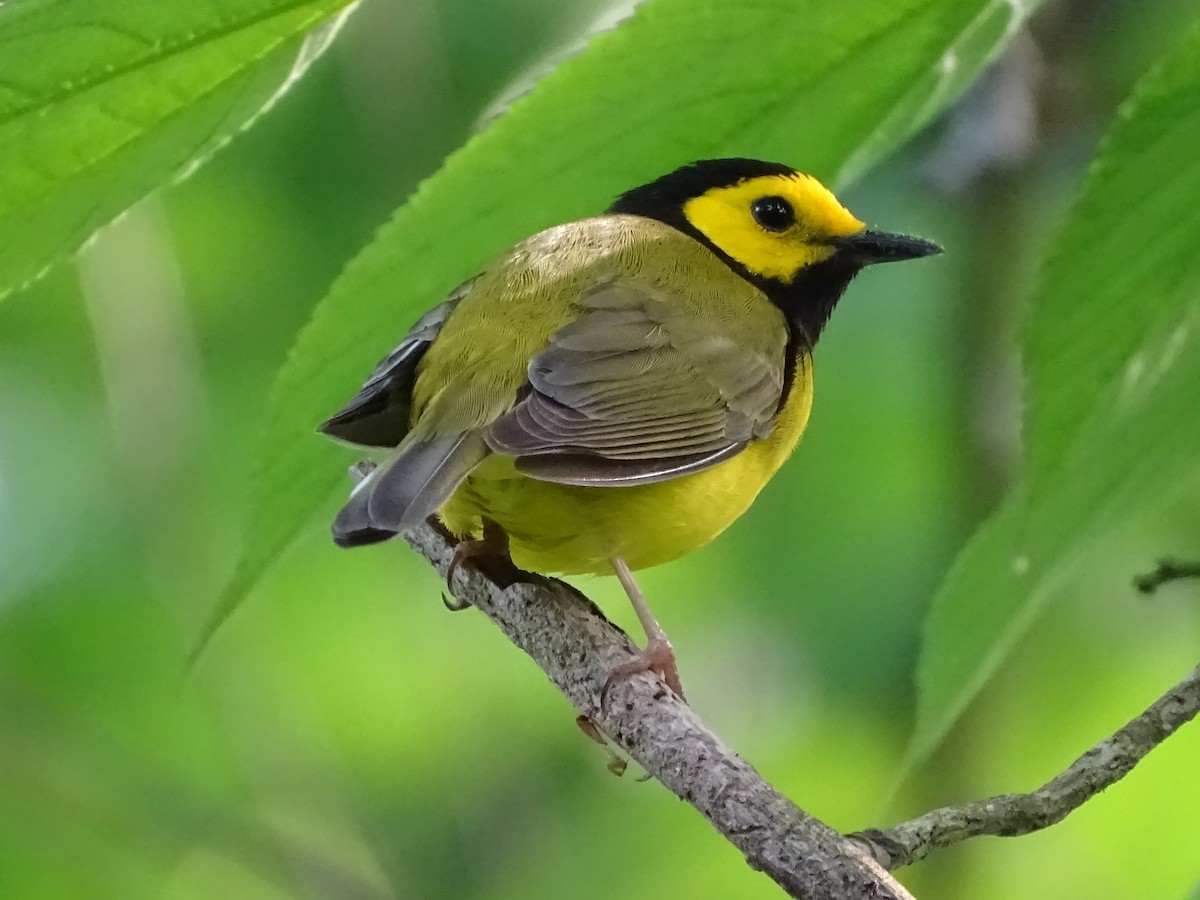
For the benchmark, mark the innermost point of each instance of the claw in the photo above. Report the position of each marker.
(454, 604)
(489, 555)
(465, 550)
(658, 657)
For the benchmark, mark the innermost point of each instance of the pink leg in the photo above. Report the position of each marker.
(657, 657)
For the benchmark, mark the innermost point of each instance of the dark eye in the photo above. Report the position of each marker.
(773, 213)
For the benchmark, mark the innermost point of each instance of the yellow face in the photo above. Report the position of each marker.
(774, 225)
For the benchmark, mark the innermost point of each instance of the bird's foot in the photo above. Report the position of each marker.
(658, 657)
(488, 554)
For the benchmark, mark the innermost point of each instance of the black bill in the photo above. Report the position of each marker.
(869, 247)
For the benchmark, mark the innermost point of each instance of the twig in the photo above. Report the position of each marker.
(572, 642)
(1168, 570)
(1011, 815)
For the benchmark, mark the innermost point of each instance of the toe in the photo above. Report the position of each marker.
(659, 658)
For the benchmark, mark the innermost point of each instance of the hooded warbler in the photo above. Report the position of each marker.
(613, 393)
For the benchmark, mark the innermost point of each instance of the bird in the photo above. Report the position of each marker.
(612, 393)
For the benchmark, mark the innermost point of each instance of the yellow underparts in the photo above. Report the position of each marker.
(565, 529)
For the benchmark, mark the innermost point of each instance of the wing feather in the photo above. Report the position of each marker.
(635, 389)
(379, 414)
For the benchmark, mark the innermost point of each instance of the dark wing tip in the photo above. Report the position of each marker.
(369, 420)
(329, 427)
(353, 526)
(336, 425)
(361, 537)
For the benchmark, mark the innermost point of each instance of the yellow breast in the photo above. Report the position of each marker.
(565, 529)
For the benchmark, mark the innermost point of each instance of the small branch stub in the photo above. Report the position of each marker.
(1011, 815)
(1168, 570)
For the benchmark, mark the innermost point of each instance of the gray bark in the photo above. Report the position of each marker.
(576, 646)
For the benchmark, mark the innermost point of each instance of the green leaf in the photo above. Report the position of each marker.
(829, 88)
(1112, 361)
(103, 100)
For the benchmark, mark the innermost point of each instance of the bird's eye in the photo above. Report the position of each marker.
(773, 213)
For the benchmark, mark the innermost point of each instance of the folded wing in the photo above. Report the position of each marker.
(638, 389)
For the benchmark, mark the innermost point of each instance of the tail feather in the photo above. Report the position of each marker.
(403, 493)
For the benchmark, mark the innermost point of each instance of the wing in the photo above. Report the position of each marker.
(642, 387)
(401, 493)
(379, 414)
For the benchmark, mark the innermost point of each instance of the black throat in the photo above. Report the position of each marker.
(808, 299)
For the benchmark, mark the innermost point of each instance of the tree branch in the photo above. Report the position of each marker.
(1011, 815)
(576, 646)
(1168, 570)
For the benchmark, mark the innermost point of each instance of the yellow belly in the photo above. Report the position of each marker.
(565, 529)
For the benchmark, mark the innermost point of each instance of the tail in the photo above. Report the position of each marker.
(401, 494)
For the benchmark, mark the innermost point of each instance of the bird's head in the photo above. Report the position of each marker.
(781, 229)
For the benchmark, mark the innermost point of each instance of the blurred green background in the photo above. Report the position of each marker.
(346, 737)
